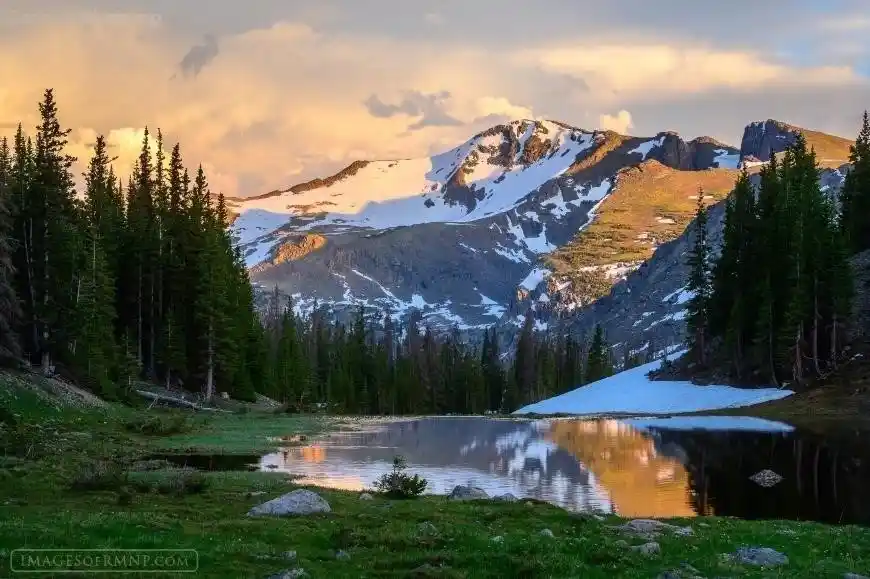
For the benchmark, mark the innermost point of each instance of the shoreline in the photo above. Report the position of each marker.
(77, 478)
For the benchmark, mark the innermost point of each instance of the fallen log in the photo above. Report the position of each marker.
(177, 401)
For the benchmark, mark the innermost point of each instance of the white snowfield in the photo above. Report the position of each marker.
(632, 392)
(387, 194)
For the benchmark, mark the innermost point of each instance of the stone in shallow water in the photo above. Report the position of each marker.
(766, 478)
(759, 557)
(299, 502)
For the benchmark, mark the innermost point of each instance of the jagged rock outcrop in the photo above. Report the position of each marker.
(761, 139)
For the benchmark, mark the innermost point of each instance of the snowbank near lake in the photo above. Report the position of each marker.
(713, 423)
(632, 392)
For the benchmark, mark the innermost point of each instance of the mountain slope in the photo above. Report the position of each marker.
(645, 313)
(461, 235)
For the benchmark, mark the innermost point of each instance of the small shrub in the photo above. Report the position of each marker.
(100, 475)
(173, 481)
(125, 496)
(399, 484)
(158, 425)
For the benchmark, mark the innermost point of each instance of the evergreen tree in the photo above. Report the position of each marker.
(10, 307)
(699, 284)
(53, 245)
(598, 363)
(855, 195)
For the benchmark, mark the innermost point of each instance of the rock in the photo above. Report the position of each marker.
(546, 533)
(289, 574)
(649, 549)
(759, 557)
(650, 528)
(366, 497)
(621, 543)
(289, 555)
(426, 528)
(252, 494)
(342, 555)
(426, 570)
(225, 395)
(854, 576)
(298, 502)
(507, 497)
(685, 571)
(497, 539)
(463, 493)
(766, 478)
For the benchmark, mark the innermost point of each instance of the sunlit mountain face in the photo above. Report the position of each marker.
(639, 478)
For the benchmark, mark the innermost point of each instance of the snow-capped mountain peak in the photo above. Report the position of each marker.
(459, 235)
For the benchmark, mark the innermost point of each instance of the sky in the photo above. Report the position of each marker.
(268, 93)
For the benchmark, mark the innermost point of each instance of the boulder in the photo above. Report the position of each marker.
(468, 493)
(298, 502)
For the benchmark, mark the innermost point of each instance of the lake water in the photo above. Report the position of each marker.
(637, 468)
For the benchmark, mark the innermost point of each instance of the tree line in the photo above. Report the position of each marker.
(123, 281)
(773, 305)
(140, 280)
(374, 366)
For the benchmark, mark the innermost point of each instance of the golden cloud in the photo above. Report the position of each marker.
(277, 104)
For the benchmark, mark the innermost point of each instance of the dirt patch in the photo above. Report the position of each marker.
(297, 247)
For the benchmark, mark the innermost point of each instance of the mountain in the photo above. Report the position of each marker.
(645, 313)
(470, 236)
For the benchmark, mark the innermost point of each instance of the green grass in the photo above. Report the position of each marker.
(42, 506)
(248, 433)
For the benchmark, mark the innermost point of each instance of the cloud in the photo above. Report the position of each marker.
(434, 19)
(429, 107)
(199, 56)
(660, 71)
(620, 123)
(294, 90)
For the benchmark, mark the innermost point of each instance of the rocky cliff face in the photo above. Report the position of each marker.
(764, 138)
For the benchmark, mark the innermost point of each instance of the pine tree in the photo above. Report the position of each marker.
(598, 363)
(699, 284)
(54, 243)
(10, 307)
(855, 195)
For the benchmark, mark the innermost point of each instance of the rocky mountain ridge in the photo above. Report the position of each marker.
(530, 214)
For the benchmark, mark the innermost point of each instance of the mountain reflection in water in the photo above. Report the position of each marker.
(635, 470)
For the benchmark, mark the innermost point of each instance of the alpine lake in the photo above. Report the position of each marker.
(727, 466)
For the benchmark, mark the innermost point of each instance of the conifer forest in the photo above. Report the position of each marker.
(139, 280)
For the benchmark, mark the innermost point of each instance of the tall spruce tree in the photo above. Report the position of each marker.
(598, 364)
(10, 307)
(855, 195)
(699, 283)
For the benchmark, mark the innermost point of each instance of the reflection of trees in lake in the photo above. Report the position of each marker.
(824, 478)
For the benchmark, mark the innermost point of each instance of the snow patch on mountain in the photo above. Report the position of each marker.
(646, 147)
